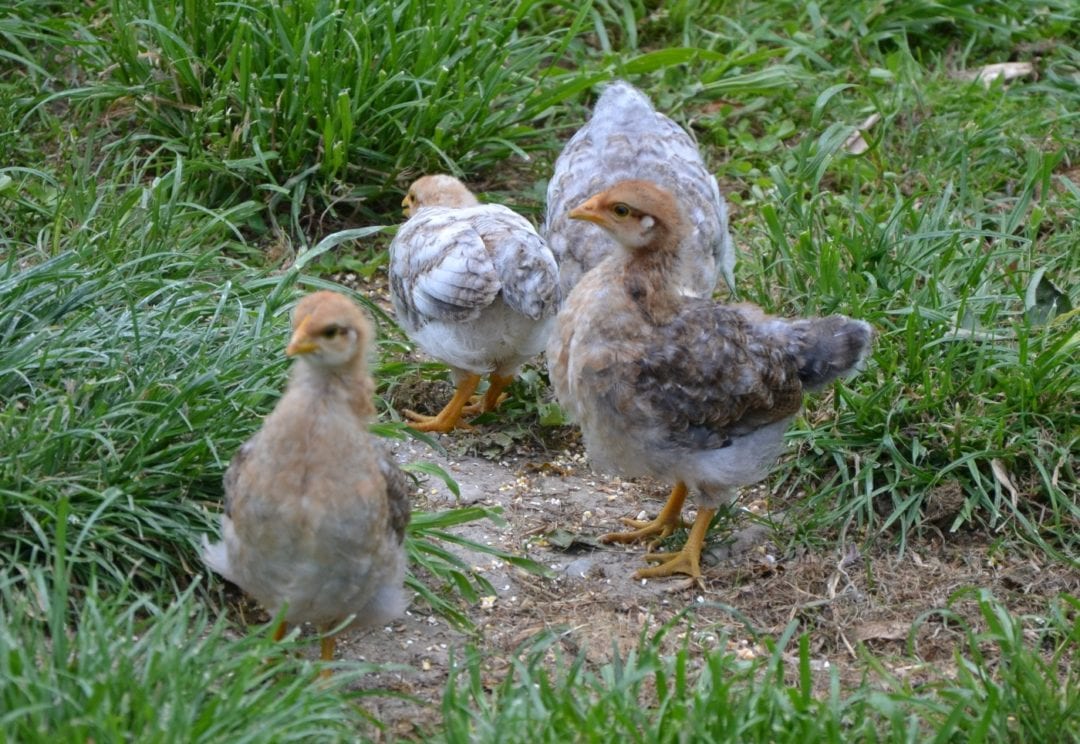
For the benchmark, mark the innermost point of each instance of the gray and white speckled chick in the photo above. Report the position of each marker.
(475, 287)
(676, 387)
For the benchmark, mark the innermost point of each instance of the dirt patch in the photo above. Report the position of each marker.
(555, 507)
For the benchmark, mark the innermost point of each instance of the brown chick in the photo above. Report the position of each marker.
(474, 286)
(315, 508)
(677, 387)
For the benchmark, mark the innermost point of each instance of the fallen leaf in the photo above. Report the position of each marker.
(1006, 71)
(1044, 299)
(567, 540)
(856, 144)
(1001, 473)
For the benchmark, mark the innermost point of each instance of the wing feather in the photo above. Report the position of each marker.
(440, 268)
(449, 264)
(705, 377)
(398, 492)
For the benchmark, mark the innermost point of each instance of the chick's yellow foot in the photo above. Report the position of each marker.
(490, 400)
(449, 417)
(683, 562)
(439, 424)
(656, 530)
(665, 523)
(686, 561)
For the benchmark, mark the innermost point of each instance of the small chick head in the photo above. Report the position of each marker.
(638, 214)
(438, 190)
(329, 330)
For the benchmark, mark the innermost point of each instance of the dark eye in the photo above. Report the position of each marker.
(332, 332)
(621, 210)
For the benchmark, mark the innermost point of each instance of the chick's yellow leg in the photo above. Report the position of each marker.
(664, 524)
(686, 561)
(450, 416)
(326, 651)
(492, 398)
(326, 647)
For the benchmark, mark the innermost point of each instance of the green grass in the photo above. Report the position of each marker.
(646, 695)
(159, 160)
(88, 664)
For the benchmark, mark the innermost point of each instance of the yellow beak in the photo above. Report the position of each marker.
(300, 346)
(301, 342)
(589, 211)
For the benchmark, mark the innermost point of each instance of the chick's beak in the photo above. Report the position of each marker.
(301, 342)
(589, 211)
(300, 346)
(406, 206)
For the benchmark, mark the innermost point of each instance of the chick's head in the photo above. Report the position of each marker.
(438, 190)
(329, 330)
(638, 214)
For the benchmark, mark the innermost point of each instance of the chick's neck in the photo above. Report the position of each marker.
(349, 382)
(650, 277)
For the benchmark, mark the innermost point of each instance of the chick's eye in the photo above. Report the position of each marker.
(332, 332)
(621, 210)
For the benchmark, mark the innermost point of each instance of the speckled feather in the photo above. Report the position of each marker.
(681, 388)
(474, 287)
(627, 138)
(316, 509)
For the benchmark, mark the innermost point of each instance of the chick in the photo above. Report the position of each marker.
(473, 286)
(315, 508)
(627, 138)
(438, 190)
(676, 387)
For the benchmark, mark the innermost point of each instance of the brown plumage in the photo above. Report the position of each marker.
(677, 387)
(315, 508)
(437, 190)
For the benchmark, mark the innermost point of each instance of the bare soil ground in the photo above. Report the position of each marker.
(555, 507)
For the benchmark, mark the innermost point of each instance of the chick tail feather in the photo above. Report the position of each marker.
(216, 555)
(830, 348)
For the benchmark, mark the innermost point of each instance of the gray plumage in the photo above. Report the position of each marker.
(475, 287)
(626, 138)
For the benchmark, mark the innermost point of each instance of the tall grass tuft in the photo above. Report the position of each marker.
(336, 99)
(125, 666)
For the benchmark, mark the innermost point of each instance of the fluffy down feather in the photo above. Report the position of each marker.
(315, 508)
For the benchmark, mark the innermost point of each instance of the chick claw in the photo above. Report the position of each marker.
(656, 529)
(669, 518)
(683, 562)
(440, 424)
